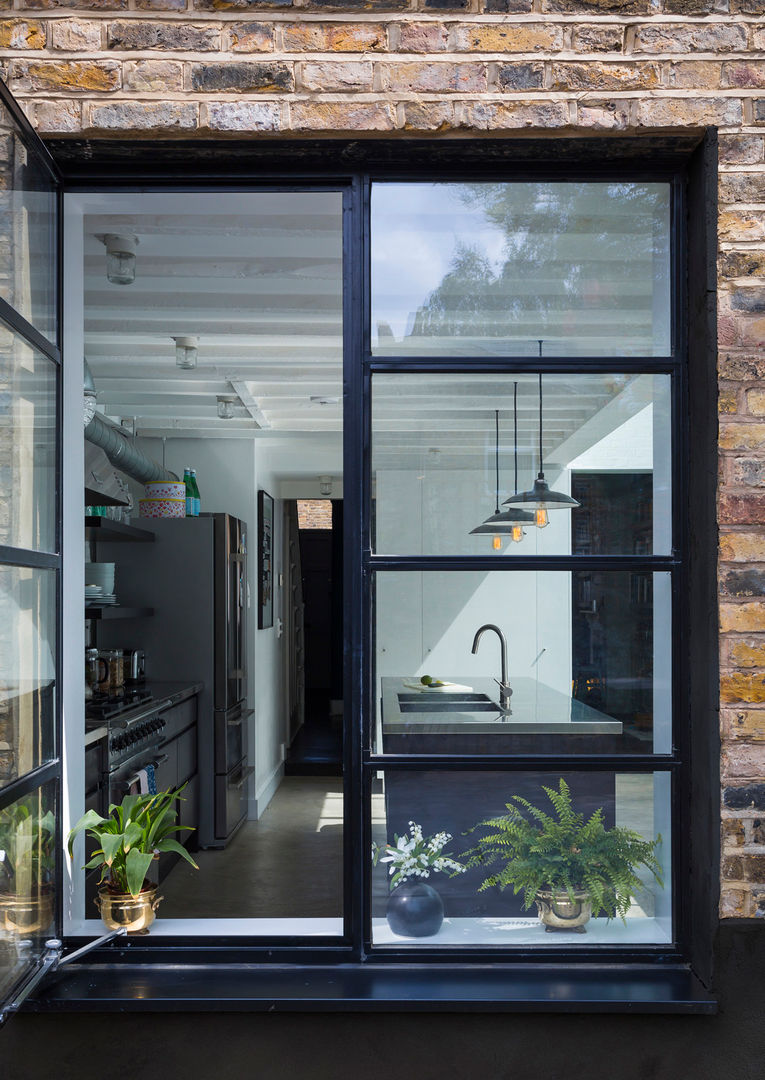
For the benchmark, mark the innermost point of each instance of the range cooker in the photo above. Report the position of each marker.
(136, 731)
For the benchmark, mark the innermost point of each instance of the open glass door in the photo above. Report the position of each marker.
(30, 555)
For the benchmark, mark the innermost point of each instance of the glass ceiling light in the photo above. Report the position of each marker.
(506, 522)
(225, 407)
(186, 352)
(120, 258)
(541, 498)
(325, 485)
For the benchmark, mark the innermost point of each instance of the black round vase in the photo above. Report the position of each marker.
(415, 910)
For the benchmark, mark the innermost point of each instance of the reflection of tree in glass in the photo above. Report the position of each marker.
(578, 260)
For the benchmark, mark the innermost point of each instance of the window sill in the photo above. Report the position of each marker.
(372, 987)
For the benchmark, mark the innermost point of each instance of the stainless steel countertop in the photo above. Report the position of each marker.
(536, 710)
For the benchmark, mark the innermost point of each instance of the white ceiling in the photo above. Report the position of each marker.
(257, 277)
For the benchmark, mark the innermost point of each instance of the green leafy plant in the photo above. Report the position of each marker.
(27, 846)
(563, 852)
(131, 836)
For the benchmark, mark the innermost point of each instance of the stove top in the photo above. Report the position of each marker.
(101, 708)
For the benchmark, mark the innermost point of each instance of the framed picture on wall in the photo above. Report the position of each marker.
(265, 560)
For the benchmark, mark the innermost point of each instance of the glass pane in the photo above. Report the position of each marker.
(27, 677)
(588, 661)
(444, 462)
(27, 880)
(496, 268)
(27, 230)
(626, 848)
(27, 445)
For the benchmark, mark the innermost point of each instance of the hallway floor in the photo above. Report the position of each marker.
(286, 865)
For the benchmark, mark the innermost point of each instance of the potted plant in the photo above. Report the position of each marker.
(569, 867)
(414, 908)
(27, 867)
(132, 835)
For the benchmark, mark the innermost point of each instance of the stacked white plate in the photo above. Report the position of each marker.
(102, 575)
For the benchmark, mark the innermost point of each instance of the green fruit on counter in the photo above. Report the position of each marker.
(426, 680)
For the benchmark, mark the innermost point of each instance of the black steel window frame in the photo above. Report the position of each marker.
(236, 974)
(674, 364)
(49, 771)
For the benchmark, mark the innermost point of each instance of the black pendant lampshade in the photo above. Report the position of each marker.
(504, 522)
(541, 497)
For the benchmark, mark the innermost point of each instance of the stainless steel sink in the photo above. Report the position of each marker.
(440, 703)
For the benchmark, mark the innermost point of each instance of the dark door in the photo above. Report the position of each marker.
(30, 560)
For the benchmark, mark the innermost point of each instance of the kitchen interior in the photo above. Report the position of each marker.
(223, 353)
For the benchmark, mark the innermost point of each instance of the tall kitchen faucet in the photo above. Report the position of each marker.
(505, 690)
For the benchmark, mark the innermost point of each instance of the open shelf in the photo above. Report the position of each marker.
(117, 612)
(104, 529)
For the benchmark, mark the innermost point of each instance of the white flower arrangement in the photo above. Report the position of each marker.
(414, 856)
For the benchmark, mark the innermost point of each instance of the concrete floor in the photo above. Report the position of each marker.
(286, 865)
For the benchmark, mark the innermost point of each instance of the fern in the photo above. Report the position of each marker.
(561, 851)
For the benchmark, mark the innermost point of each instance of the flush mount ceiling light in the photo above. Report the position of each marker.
(506, 522)
(226, 406)
(120, 258)
(322, 399)
(541, 498)
(186, 352)
(325, 485)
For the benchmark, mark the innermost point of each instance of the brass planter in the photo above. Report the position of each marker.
(134, 913)
(558, 912)
(27, 915)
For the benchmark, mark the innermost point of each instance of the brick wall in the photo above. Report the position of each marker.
(224, 67)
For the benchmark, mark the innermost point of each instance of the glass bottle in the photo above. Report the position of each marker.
(195, 489)
(189, 492)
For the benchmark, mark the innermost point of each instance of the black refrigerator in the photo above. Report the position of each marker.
(194, 577)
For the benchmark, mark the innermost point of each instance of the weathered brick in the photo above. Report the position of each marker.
(742, 188)
(742, 436)
(598, 38)
(153, 76)
(746, 652)
(244, 116)
(431, 116)
(145, 116)
(741, 509)
(755, 402)
(508, 37)
(727, 400)
(732, 867)
(22, 34)
(58, 116)
(446, 5)
(75, 35)
(83, 5)
(160, 5)
(695, 75)
(358, 5)
(748, 472)
(520, 76)
(341, 116)
(436, 77)
(687, 38)
(732, 903)
(732, 833)
(74, 76)
(747, 7)
(600, 76)
(331, 37)
(744, 73)
(691, 7)
(753, 867)
(510, 7)
(168, 37)
(742, 547)
(242, 77)
(741, 366)
(741, 149)
(240, 5)
(249, 37)
(336, 76)
(742, 686)
(607, 115)
(758, 110)
(511, 115)
(743, 723)
(423, 37)
(751, 797)
(758, 831)
(741, 225)
(742, 618)
(688, 111)
(599, 7)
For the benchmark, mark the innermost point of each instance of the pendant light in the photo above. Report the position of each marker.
(504, 522)
(541, 498)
